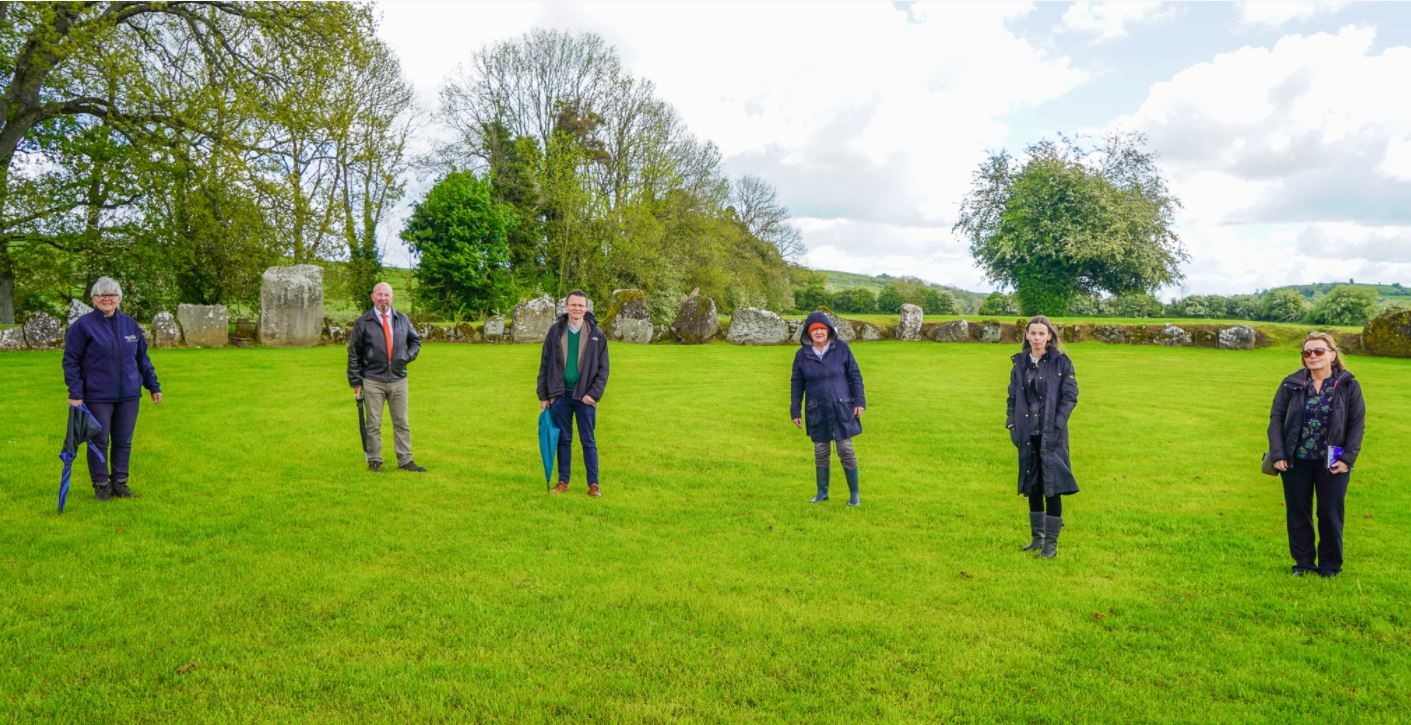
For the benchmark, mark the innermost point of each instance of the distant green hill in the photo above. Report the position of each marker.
(1387, 294)
(837, 281)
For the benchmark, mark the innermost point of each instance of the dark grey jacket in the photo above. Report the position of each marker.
(592, 360)
(1059, 398)
(1344, 428)
(367, 349)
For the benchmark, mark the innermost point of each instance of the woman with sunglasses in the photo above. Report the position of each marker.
(105, 367)
(1315, 434)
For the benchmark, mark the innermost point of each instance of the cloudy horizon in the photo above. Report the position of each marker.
(1276, 124)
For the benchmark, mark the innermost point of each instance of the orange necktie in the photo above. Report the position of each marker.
(387, 330)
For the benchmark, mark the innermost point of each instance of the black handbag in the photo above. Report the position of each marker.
(1266, 466)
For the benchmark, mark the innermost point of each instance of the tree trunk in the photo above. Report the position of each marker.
(7, 291)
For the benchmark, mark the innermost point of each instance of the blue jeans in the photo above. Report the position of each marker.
(118, 421)
(565, 411)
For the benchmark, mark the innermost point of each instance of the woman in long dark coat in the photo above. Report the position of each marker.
(1317, 410)
(1042, 394)
(826, 394)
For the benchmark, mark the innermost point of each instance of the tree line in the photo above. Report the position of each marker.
(1343, 305)
(185, 147)
(566, 171)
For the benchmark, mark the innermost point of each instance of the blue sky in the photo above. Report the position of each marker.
(1281, 126)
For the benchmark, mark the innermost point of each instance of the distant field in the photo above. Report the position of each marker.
(264, 576)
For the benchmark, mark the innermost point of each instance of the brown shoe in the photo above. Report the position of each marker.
(563, 486)
(593, 491)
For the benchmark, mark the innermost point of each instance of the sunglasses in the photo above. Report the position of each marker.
(1315, 352)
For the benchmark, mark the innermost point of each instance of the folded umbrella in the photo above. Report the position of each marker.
(82, 428)
(362, 424)
(548, 444)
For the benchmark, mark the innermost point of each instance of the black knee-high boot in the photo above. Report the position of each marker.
(851, 473)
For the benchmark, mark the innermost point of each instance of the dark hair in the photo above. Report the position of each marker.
(576, 293)
(1332, 344)
(1054, 343)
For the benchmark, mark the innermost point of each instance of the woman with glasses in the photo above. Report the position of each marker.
(1315, 434)
(105, 367)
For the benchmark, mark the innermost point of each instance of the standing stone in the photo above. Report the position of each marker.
(334, 332)
(753, 326)
(1389, 333)
(291, 305)
(796, 331)
(953, 331)
(43, 332)
(204, 325)
(76, 310)
(495, 329)
(909, 326)
(12, 338)
(628, 317)
(1172, 336)
(846, 333)
(165, 333)
(696, 321)
(1239, 337)
(533, 319)
(990, 331)
(867, 332)
(1112, 334)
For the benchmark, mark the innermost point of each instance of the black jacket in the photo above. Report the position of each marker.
(592, 360)
(367, 349)
(1344, 428)
(1060, 396)
(832, 386)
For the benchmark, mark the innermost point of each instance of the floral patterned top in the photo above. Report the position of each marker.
(1317, 412)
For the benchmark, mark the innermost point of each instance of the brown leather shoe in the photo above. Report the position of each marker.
(563, 486)
(593, 491)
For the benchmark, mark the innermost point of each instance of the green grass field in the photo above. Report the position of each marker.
(264, 575)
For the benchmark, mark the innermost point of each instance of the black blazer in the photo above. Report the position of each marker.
(1344, 428)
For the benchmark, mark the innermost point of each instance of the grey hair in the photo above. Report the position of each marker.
(106, 286)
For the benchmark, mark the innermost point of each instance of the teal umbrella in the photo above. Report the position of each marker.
(548, 444)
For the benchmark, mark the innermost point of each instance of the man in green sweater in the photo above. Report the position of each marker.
(573, 372)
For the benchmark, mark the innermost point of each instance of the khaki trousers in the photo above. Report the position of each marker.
(395, 395)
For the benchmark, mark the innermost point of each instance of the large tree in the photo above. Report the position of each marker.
(1065, 220)
(460, 236)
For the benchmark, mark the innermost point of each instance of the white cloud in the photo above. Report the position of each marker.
(1112, 20)
(1277, 12)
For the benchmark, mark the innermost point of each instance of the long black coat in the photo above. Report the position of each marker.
(832, 387)
(1344, 427)
(1060, 397)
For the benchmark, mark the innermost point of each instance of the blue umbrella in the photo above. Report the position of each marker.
(548, 444)
(83, 428)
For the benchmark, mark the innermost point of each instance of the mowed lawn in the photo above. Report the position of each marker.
(264, 575)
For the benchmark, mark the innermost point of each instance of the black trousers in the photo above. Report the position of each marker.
(1302, 482)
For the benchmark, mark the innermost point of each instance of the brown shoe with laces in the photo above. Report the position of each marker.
(563, 486)
(593, 491)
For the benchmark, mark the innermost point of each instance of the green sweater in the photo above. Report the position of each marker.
(570, 368)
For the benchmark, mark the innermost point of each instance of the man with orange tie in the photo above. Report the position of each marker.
(380, 347)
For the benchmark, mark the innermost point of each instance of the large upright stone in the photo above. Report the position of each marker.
(291, 305)
(846, 333)
(533, 319)
(76, 310)
(165, 333)
(495, 329)
(909, 326)
(43, 332)
(953, 331)
(1172, 336)
(1389, 333)
(753, 326)
(205, 325)
(1239, 337)
(12, 338)
(628, 317)
(990, 331)
(696, 321)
